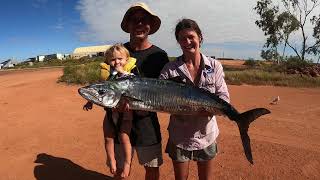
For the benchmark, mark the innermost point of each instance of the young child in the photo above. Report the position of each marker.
(118, 63)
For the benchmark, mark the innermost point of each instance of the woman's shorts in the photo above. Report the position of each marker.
(182, 155)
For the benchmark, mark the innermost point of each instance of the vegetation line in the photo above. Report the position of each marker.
(290, 73)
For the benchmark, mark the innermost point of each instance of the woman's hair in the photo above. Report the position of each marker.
(116, 47)
(188, 24)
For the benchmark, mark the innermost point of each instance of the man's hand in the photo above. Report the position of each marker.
(87, 106)
(123, 106)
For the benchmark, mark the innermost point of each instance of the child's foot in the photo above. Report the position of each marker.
(126, 170)
(113, 166)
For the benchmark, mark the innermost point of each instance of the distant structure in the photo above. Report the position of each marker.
(41, 58)
(8, 64)
(89, 51)
(223, 58)
(32, 59)
(29, 61)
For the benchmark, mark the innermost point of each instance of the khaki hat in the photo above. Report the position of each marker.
(155, 20)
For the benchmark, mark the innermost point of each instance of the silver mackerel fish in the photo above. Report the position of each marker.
(171, 97)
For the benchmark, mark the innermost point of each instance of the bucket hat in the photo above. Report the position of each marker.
(155, 20)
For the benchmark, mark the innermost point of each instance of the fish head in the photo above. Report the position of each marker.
(106, 94)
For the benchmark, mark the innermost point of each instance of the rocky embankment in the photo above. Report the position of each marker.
(311, 71)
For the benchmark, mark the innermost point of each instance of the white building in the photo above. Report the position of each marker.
(8, 64)
(40, 58)
(48, 57)
(57, 56)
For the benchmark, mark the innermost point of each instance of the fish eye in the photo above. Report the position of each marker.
(101, 91)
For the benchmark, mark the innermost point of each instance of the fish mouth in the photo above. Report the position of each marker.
(91, 94)
(100, 96)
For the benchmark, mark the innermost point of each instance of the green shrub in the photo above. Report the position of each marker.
(90, 72)
(253, 63)
(58, 62)
(290, 63)
(295, 63)
(81, 74)
(259, 77)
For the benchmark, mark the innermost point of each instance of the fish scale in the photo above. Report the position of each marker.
(176, 98)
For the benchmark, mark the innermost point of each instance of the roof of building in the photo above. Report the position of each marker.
(6, 62)
(91, 49)
(9, 61)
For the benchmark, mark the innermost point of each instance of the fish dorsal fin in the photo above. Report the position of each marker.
(204, 90)
(177, 79)
(213, 96)
(129, 76)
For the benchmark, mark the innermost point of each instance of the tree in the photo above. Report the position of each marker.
(287, 24)
(267, 23)
(269, 54)
(279, 25)
(315, 50)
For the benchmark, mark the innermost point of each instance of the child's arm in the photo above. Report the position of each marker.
(87, 106)
(121, 70)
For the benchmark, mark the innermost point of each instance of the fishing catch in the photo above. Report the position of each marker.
(171, 97)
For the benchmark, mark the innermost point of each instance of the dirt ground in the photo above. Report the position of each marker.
(45, 134)
(238, 63)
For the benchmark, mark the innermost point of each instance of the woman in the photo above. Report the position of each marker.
(194, 137)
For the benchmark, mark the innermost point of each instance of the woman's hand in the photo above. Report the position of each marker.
(87, 106)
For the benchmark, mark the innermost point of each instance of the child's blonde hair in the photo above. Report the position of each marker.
(117, 47)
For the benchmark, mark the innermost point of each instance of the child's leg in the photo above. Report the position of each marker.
(125, 130)
(109, 131)
(126, 145)
(110, 155)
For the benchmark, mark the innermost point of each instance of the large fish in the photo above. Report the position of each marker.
(171, 97)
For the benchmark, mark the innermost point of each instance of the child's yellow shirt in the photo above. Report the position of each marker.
(105, 68)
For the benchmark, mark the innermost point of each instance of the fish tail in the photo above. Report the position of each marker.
(243, 122)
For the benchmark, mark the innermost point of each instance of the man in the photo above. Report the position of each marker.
(140, 22)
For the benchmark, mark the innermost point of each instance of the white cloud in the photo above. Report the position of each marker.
(39, 3)
(221, 21)
(59, 25)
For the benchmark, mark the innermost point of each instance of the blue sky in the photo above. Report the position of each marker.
(34, 27)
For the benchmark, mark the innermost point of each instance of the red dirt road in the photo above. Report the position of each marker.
(38, 115)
